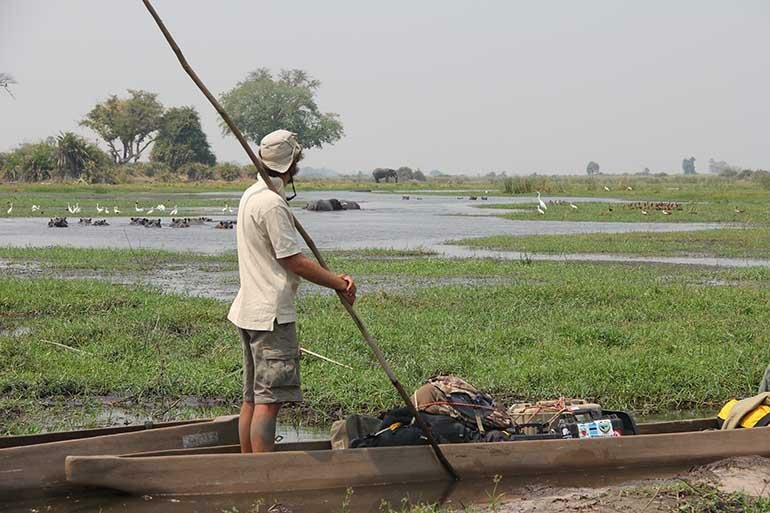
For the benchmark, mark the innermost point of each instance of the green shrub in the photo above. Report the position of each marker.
(31, 162)
(228, 171)
(196, 172)
(148, 169)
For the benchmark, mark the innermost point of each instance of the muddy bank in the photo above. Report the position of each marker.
(729, 486)
(222, 282)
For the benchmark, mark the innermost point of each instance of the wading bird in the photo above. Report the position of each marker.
(173, 212)
(35, 208)
(99, 209)
(644, 212)
(150, 211)
(137, 207)
(629, 188)
(115, 210)
(10, 209)
(76, 209)
(540, 203)
(606, 188)
(70, 209)
(540, 210)
(227, 209)
(107, 210)
(161, 207)
(572, 205)
(739, 211)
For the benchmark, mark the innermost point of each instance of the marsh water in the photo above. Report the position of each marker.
(384, 221)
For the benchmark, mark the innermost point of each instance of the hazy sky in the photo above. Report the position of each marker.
(472, 86)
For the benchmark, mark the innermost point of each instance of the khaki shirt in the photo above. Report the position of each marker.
(265, 233)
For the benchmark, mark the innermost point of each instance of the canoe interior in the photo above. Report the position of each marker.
(40, 466)
(667, 427)
(59, 436)
(321, 445)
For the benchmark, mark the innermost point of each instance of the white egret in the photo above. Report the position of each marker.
(99, 209)
(161, 207)
(115, 210)
(107, 210)
(10, 209)
(35, 208)
(606, 188)
(150, 211)
(70, 209)
(227, 208)
(137, 207)
(77, 208)
(629, 188)
(644, 212)
(541, 203)
(573, 205)
(540, 210)
(173, 212)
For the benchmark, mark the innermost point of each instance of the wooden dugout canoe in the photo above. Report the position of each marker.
(36, 462)
(314, 466)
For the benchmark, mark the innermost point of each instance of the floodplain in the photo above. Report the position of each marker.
(126, 329)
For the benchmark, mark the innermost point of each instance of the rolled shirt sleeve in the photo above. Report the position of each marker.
(280, 229)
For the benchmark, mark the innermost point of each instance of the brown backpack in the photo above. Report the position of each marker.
(456, 398)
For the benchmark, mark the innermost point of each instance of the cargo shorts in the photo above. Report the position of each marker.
(271, 365)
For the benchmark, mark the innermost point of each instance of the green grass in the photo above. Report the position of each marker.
(721, 243)
(142, 259)
(66, 258)
(754, 212)
(646, 338)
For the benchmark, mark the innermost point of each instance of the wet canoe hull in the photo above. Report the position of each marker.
(41, 466)
(324, 469)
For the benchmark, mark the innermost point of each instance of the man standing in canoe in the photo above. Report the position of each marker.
(270, 264)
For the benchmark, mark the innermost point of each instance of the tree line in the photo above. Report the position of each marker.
(178, 147)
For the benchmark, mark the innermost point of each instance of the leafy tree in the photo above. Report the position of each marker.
(181, 139)
(128, 125)
(405, 173)
(688, 166)
(31, 162)
(419, 176)
(592, 168)
(75, 155)
(260, 104)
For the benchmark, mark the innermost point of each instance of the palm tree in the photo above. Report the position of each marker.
(73, 154)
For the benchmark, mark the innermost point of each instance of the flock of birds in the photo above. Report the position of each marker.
(542, 207)
(160, 208)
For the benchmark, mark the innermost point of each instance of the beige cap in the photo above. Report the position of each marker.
(278, 150)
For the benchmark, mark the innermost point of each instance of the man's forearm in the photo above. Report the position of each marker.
(310, 270)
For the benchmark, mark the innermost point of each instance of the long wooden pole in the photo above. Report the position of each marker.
(309, 241)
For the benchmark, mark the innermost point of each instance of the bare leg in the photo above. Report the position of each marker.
(244, 425)
(262, 432)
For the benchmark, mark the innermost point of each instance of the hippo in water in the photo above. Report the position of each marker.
(225, 225)
(332, 205)
(58, 222)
